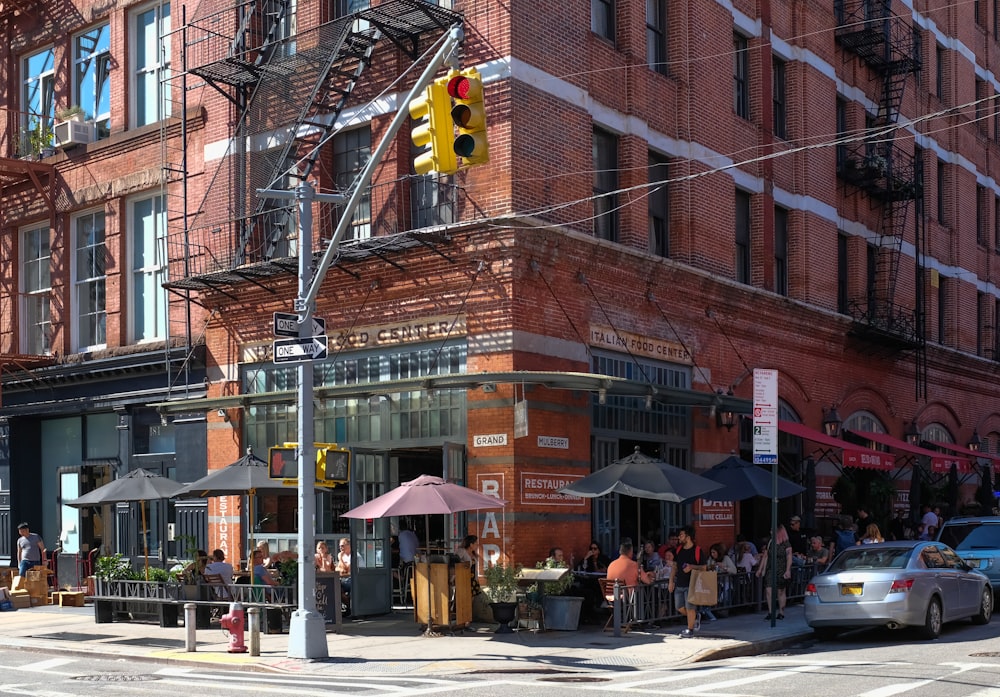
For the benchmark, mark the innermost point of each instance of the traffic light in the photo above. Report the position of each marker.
(333, 465)
(469, 114)
(435, 130)
(282, 462)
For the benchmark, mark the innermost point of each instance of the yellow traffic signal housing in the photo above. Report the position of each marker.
(333, 465)
(469, 114)
(435, 130)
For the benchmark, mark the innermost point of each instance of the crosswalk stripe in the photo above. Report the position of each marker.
(47, 666)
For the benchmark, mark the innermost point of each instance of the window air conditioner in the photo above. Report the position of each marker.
(70, 133)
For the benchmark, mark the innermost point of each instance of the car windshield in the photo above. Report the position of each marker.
(965, 536)
(865, 557)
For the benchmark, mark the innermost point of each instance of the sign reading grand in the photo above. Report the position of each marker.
(637, 344)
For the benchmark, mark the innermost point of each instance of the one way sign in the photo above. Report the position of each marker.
(287, 324)
(310, 348)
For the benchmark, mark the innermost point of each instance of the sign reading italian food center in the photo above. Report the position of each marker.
(489, 440)
(638, 344)
(538, 488)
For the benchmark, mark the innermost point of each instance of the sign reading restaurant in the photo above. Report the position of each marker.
(639, 345)
(360, 338)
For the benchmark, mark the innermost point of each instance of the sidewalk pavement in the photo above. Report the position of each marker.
(394, 645)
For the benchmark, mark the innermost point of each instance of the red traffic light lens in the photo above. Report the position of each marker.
(458, 87)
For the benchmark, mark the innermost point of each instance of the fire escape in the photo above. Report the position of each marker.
(287, 91)
(889, 176)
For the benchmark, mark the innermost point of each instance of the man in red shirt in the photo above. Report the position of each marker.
(626, 568)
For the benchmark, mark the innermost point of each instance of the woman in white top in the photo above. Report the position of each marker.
(872, 535)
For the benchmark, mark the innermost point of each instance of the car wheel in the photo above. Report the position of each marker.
(985, 607)
(932, 621)
(826, 633)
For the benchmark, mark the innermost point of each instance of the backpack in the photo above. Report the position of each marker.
(843, 540)
(697, 553)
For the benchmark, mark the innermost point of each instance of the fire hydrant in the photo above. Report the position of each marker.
(234, 622)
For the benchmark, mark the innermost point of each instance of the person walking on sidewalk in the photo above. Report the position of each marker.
(687, 558)
(30, 550)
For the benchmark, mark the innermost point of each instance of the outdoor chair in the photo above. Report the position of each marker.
(608, 591)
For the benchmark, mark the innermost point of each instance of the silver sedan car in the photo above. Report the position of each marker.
(897, 584)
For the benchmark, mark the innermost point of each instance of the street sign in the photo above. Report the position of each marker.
(287, 324)
(765, 416)
(310, 348)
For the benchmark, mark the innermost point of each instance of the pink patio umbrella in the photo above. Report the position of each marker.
(425, 495)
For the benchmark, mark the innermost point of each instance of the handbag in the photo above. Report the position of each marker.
(704, 588)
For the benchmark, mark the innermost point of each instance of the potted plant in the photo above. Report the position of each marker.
(71, 113)
(501, 582)
(36, 141)
(110, 569)
(561, 611)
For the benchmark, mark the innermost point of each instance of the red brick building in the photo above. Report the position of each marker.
(676, 195)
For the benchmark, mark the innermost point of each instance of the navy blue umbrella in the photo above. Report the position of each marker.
(743, 480)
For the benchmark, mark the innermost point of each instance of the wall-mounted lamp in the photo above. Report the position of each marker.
(489, 387)
(831, 422)
(602, 396)
(912, 434)
(975, 443)
(222, 414)
(163, 419)
(725, 417)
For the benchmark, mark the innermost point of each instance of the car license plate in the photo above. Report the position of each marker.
(850, 589)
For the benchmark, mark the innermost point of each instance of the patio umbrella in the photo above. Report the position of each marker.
(248, 476)
(743, 480)
(137, 486)
(426, 495)
(643, 477)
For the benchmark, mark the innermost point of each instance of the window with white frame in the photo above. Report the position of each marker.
(91, 68)
(37, 100)
(351, 151)
(36, 264)
(89, 268)
(151, 63)
(148, 223)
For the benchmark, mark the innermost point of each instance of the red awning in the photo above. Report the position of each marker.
(939, 461)
(852, 455)
(952, 447)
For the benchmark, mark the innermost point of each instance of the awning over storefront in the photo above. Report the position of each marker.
(607, 385)
(940, 462)
(851, 455)
(958, 449)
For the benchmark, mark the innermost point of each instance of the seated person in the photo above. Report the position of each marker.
(651, 560)
(261, 576)
(626, 569)
(192, 572)
(220, 566)
(594, 561)
(408, 544)
(324, 560)
(818, 553)
(466, 550)
(556, 559)
(271, 561)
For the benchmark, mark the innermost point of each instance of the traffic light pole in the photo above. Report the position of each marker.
(307, 631)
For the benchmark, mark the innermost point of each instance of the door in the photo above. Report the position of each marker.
(371, 570)
(605, 508)
(453, 470)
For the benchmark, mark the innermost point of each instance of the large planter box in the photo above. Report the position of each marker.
(562, 612)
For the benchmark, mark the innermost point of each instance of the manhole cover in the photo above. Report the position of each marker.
(574, 678)
(116, 677)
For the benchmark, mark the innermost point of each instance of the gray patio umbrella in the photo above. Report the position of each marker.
(137, 486)
(248, 477)
(643, 477)
(743, 480)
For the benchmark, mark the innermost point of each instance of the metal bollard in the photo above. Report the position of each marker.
(190, 611)
(616, 610)
(253, 624)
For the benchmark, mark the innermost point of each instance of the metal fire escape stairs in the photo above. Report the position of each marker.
(888, 175)
(253, 76)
